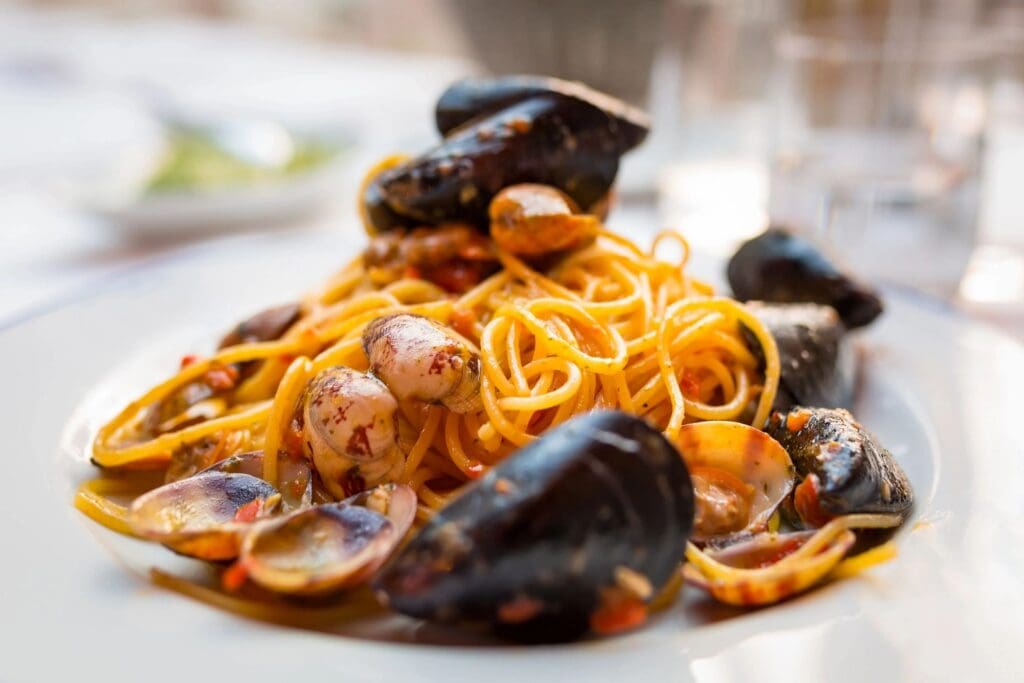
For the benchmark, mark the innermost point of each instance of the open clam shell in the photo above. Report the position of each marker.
(295, 478)
(330, 547)
(740, 476)
(397, 502)
(203, 516)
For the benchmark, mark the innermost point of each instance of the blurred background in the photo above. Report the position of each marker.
(891, 132)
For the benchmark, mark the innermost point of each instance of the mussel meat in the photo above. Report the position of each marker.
(592, 515)
(472, 98)
(815, 357)
(740, 476)
(560, 141)
(779, 267)
(531, 220)
(204, 516)
(843, 469)
(330, 547)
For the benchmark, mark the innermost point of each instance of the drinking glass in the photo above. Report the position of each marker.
(876, 144)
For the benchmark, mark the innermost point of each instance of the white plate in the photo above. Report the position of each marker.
(178, 214)
(942, 392)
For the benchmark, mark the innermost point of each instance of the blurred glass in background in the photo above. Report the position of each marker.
(877, 139)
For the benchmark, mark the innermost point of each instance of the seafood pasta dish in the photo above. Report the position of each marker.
(503, 416)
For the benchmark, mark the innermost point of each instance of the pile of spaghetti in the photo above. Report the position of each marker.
(609, 325)
(491, 308)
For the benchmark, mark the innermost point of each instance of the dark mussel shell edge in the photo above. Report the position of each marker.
(817, 364)
(847, 468)
(529, 548)
(552, 139)
(779, 267)
(471, 98)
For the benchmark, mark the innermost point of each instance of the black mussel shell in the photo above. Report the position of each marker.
(779, 267)
(549, 139)
(854, 473)
(471, 98)
(381, 217)
(816, 359)
(530, 548)
(267, 325)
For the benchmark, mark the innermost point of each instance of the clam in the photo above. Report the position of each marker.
(770, 567)
(591, 517)
(329, 547)
(758, 550)
(204, 516)
(350, 430)
(740, 476)
(781, 268)
(749, 575)
(842, 467)
(295, 479)
(815, 358)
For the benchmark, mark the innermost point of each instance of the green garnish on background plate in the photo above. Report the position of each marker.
(195, 163)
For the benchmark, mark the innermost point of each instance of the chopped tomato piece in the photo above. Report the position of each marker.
(221, 378)
(463, 320)
(475, 469)
(796, 420)
(519, 609)
(807, 504)
(248, 512)
(621, 615)
(456, 276)
(292, 439)
(188, 359)
(234, 577)
(787, 548)
(689, 385)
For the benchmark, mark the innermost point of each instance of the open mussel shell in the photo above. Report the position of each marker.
(329, 547)
(740, 476)
(559, 141)
(842, 467)
(472, 98)
(203, 516)
(295, 479)
(535, 546)
(779, 267)
(817, 365)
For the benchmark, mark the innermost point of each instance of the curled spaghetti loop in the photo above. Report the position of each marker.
(610, 326)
